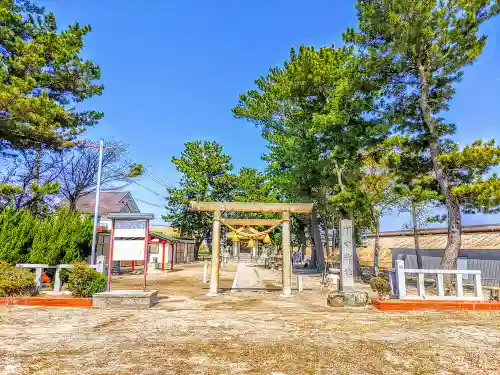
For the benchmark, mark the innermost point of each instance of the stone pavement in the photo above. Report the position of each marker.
(247, 277)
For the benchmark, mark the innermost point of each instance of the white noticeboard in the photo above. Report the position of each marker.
(130, 228)
(128, 250)
(129, 239)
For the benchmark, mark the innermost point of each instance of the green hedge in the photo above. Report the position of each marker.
(61, 237)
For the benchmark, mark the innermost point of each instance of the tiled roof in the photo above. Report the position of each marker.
(470, 241)
(109, 202)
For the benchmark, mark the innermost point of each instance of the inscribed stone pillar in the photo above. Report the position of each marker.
(214, 278)
(235, 248)
(287, 259)
(255, 250)
(185, 252)
(346, 256)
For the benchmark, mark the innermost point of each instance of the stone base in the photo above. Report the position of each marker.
(125, 299)
(347, 299)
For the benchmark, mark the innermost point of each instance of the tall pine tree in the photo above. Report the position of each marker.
(419, 49)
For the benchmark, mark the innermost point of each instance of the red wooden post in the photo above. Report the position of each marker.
(172, 257)
(110, 254)
(163, 257)
(146, 247)
(133, 265)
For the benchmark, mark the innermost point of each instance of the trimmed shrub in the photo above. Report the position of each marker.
(16, 282)
(83, 280)
(381, 286)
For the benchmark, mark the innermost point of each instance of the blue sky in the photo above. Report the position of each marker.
(173, 69)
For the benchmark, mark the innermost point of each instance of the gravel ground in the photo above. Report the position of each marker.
(244, 333)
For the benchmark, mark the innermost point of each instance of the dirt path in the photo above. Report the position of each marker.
(244, 333)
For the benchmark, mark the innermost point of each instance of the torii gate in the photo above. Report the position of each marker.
(284, 208)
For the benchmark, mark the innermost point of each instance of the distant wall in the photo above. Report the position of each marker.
(404, 240)
(487, 261)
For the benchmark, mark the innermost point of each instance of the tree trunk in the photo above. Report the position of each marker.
(334, 234)
(320, 259)
(334, 238)
(416, 237)
(452, 204)
(72, 204)
(376, 247)
(327, 241)
(312, 240)
(37, 199)
(197, 245)
(302, 238)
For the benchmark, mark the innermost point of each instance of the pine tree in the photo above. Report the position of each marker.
(205, 176)
(42, 78)
(419, 49)
(311, 113)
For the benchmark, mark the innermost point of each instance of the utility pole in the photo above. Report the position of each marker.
(96, 210)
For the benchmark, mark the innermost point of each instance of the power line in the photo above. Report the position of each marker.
(144, 187)
(153, 177)
(146, 202)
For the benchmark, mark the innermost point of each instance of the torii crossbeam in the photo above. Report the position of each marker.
(284, 208)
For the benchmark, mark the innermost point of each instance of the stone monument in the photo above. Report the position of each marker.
(347, 295)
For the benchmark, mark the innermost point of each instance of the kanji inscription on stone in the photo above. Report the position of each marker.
(346, 259)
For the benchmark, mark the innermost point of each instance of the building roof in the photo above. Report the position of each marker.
(162, 236)
(166, 237)
(476, 237)
(131, 216)
(425, 231)
(110, 202)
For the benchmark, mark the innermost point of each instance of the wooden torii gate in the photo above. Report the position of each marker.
(284, 208)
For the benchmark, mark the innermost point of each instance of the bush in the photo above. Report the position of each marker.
(62, 237)
(15, 281)
(17, 230)
(83, 280)
(381, 286)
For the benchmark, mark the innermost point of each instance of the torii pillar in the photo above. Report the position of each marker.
(287, 256)
(214, 277)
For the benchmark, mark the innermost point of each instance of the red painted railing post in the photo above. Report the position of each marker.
(163, 257)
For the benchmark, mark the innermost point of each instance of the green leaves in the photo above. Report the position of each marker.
(62, 237)
(17, 231)
(42, 78)
(204, 170)
(59, 238)
(135, 170)
(84, 281)
(417, 50)
(206, 175)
